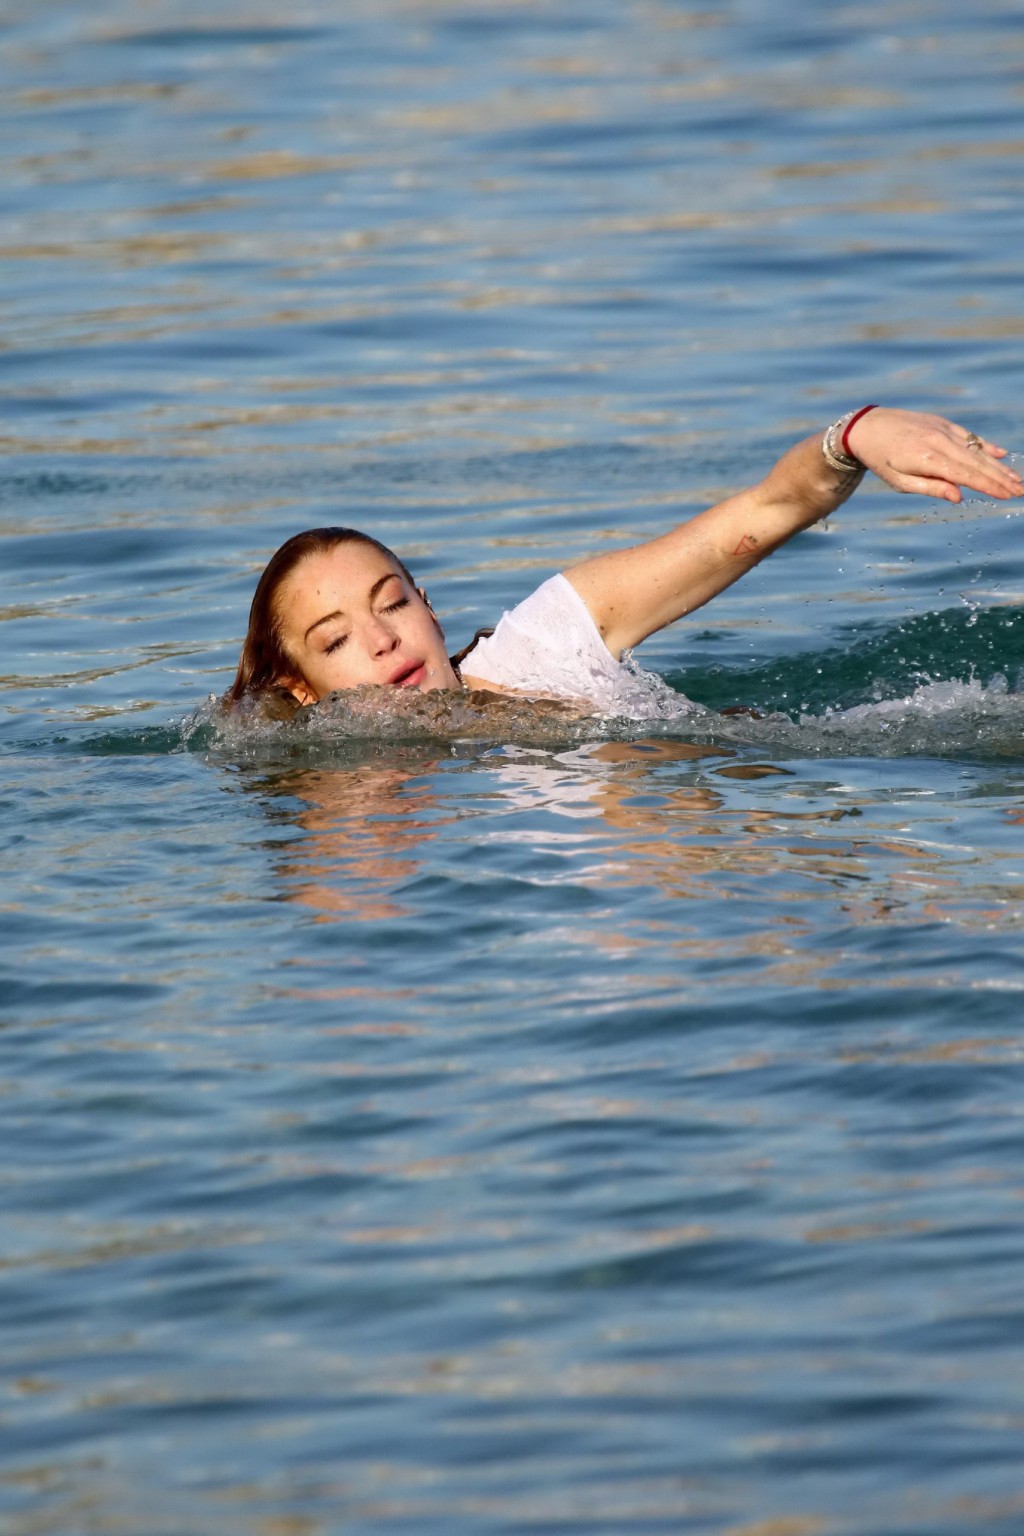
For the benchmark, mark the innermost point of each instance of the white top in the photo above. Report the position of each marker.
(549, 646)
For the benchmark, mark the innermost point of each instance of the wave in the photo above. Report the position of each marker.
(870, 663)
(942, 685)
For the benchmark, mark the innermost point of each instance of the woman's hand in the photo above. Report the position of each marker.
(931, 456)
(633, 592)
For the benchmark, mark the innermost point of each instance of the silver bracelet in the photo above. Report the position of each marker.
(831, 446)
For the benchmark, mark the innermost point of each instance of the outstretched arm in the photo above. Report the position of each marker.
(631, 593)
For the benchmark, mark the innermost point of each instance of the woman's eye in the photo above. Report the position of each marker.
(402, 602)
(335, 645)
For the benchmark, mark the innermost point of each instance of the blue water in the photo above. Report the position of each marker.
(484, 1122)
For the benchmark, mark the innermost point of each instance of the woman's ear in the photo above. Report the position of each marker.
(298, 688)
(422, 592)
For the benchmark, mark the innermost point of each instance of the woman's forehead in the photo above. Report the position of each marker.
(351, 566)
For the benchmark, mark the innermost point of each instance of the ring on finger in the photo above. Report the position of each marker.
(973, 440)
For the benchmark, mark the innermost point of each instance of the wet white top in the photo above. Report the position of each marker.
(550, 646)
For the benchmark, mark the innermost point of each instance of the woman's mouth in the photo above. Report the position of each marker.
(409, 676)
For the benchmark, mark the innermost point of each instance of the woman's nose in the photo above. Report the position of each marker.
(381, 638)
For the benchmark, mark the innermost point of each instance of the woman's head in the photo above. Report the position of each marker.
(336, 609)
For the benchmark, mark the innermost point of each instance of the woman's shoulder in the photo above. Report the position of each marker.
(547, 644)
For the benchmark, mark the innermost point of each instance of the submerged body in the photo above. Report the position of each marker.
(337, 610)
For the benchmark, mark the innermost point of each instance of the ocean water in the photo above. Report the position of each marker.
(488, 1121)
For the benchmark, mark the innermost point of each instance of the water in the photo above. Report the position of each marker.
(484, 1120)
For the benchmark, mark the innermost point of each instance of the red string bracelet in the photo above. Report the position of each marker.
(845, 439)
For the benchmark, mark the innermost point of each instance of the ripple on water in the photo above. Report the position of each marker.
(457, 1113)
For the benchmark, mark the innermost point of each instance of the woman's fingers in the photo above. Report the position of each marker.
(976, 468)
(971, 439)
(925, 485)
(917, 453)
(939, 474)
(974, 462)
(979, 455)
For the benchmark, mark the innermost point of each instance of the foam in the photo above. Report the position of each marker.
(941, 719)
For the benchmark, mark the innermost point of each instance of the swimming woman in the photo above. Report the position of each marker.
(336, 609)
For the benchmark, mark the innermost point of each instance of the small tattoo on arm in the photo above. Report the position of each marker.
(746, 545)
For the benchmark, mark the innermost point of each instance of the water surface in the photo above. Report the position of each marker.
(482, 1121)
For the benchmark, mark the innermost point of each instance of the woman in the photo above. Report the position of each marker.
(335, 609)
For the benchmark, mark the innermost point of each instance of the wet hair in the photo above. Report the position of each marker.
(460, 656)
(264, 662)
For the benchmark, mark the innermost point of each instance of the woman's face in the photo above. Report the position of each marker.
(350, 618)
